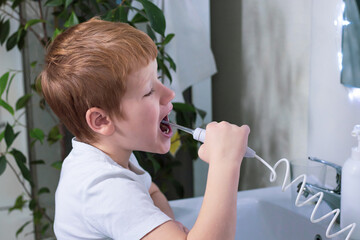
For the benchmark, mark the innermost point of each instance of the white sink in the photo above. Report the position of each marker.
(267, 214)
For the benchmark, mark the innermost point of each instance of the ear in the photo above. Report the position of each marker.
(99, 121)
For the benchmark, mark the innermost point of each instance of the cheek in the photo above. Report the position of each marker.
(149, 115)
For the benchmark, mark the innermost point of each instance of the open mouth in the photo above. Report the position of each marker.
(165, 128)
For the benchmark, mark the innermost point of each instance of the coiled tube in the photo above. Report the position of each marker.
(199, 135)
(318, 195)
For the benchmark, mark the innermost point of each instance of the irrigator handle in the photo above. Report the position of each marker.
(199, 135)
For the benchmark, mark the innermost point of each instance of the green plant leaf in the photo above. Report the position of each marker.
(150, 32)
(19, 204)
(21, 102)
(8, 85)
(2, 135)
(32, 204)
(16, 3)
(33, 64)
(34, 162)
(38, 134)
(185, 114)
(54, 135)
(36, 86)
(62, 14)
(190, 146)
(19, 32)
(201, 112)
(72, 20)
(139, 18)
(171, 62)
(121, 15)
(96, 5)
(4, 31)
(45, 228)
(20, 161)
(168, 38)
(43, 190)
(11, 41)
(108, 16)
(164, 68)
(7, 107)
(154, 163)
(19, 156)
(33, 22)
(68, 2)
(183, 107)
(9, 135)
(21, 38)
(3, 163)
(85, 9)
(22, 228)
(3, 82)
(53, 3)
(42, 104)
(57, 165)
(155, 15)
(56, 33)
(37, 216)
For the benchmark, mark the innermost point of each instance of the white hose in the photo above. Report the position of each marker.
(318, 195)
(199, 135)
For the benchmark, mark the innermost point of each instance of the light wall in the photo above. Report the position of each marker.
(262, 50)
(332, 115)
(202, 99)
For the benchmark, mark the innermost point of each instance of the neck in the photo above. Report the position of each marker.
(116, 153)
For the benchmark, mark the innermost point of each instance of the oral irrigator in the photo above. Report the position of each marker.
(199, 135)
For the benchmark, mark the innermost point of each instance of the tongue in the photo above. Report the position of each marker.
(163, 127)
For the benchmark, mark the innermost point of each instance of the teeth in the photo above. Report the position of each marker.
(167, 130)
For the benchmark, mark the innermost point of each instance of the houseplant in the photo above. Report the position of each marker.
(43, 28)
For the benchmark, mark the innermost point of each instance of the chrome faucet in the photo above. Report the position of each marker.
(331, 196)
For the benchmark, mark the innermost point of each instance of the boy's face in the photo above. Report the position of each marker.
(144, 105)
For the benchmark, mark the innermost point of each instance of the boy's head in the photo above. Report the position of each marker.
(87, 66)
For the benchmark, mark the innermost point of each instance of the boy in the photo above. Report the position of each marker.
(100, 78)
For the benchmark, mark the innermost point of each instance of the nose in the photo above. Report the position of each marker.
(167, 95)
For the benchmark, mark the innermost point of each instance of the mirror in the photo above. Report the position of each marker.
(350, 75)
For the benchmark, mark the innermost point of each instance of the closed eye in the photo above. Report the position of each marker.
(151, 92)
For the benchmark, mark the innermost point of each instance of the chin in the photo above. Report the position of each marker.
(158, 149)
(163, 148)
(162, 151)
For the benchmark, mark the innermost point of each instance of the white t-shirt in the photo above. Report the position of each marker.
(98, 199)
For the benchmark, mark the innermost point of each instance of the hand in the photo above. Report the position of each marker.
(182, 227)
(224, 142)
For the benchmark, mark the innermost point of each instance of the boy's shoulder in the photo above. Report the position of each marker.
(86, 164)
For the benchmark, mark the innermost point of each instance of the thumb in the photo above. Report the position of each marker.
(202, 153)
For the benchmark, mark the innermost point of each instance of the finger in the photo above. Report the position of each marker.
(202, 152)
